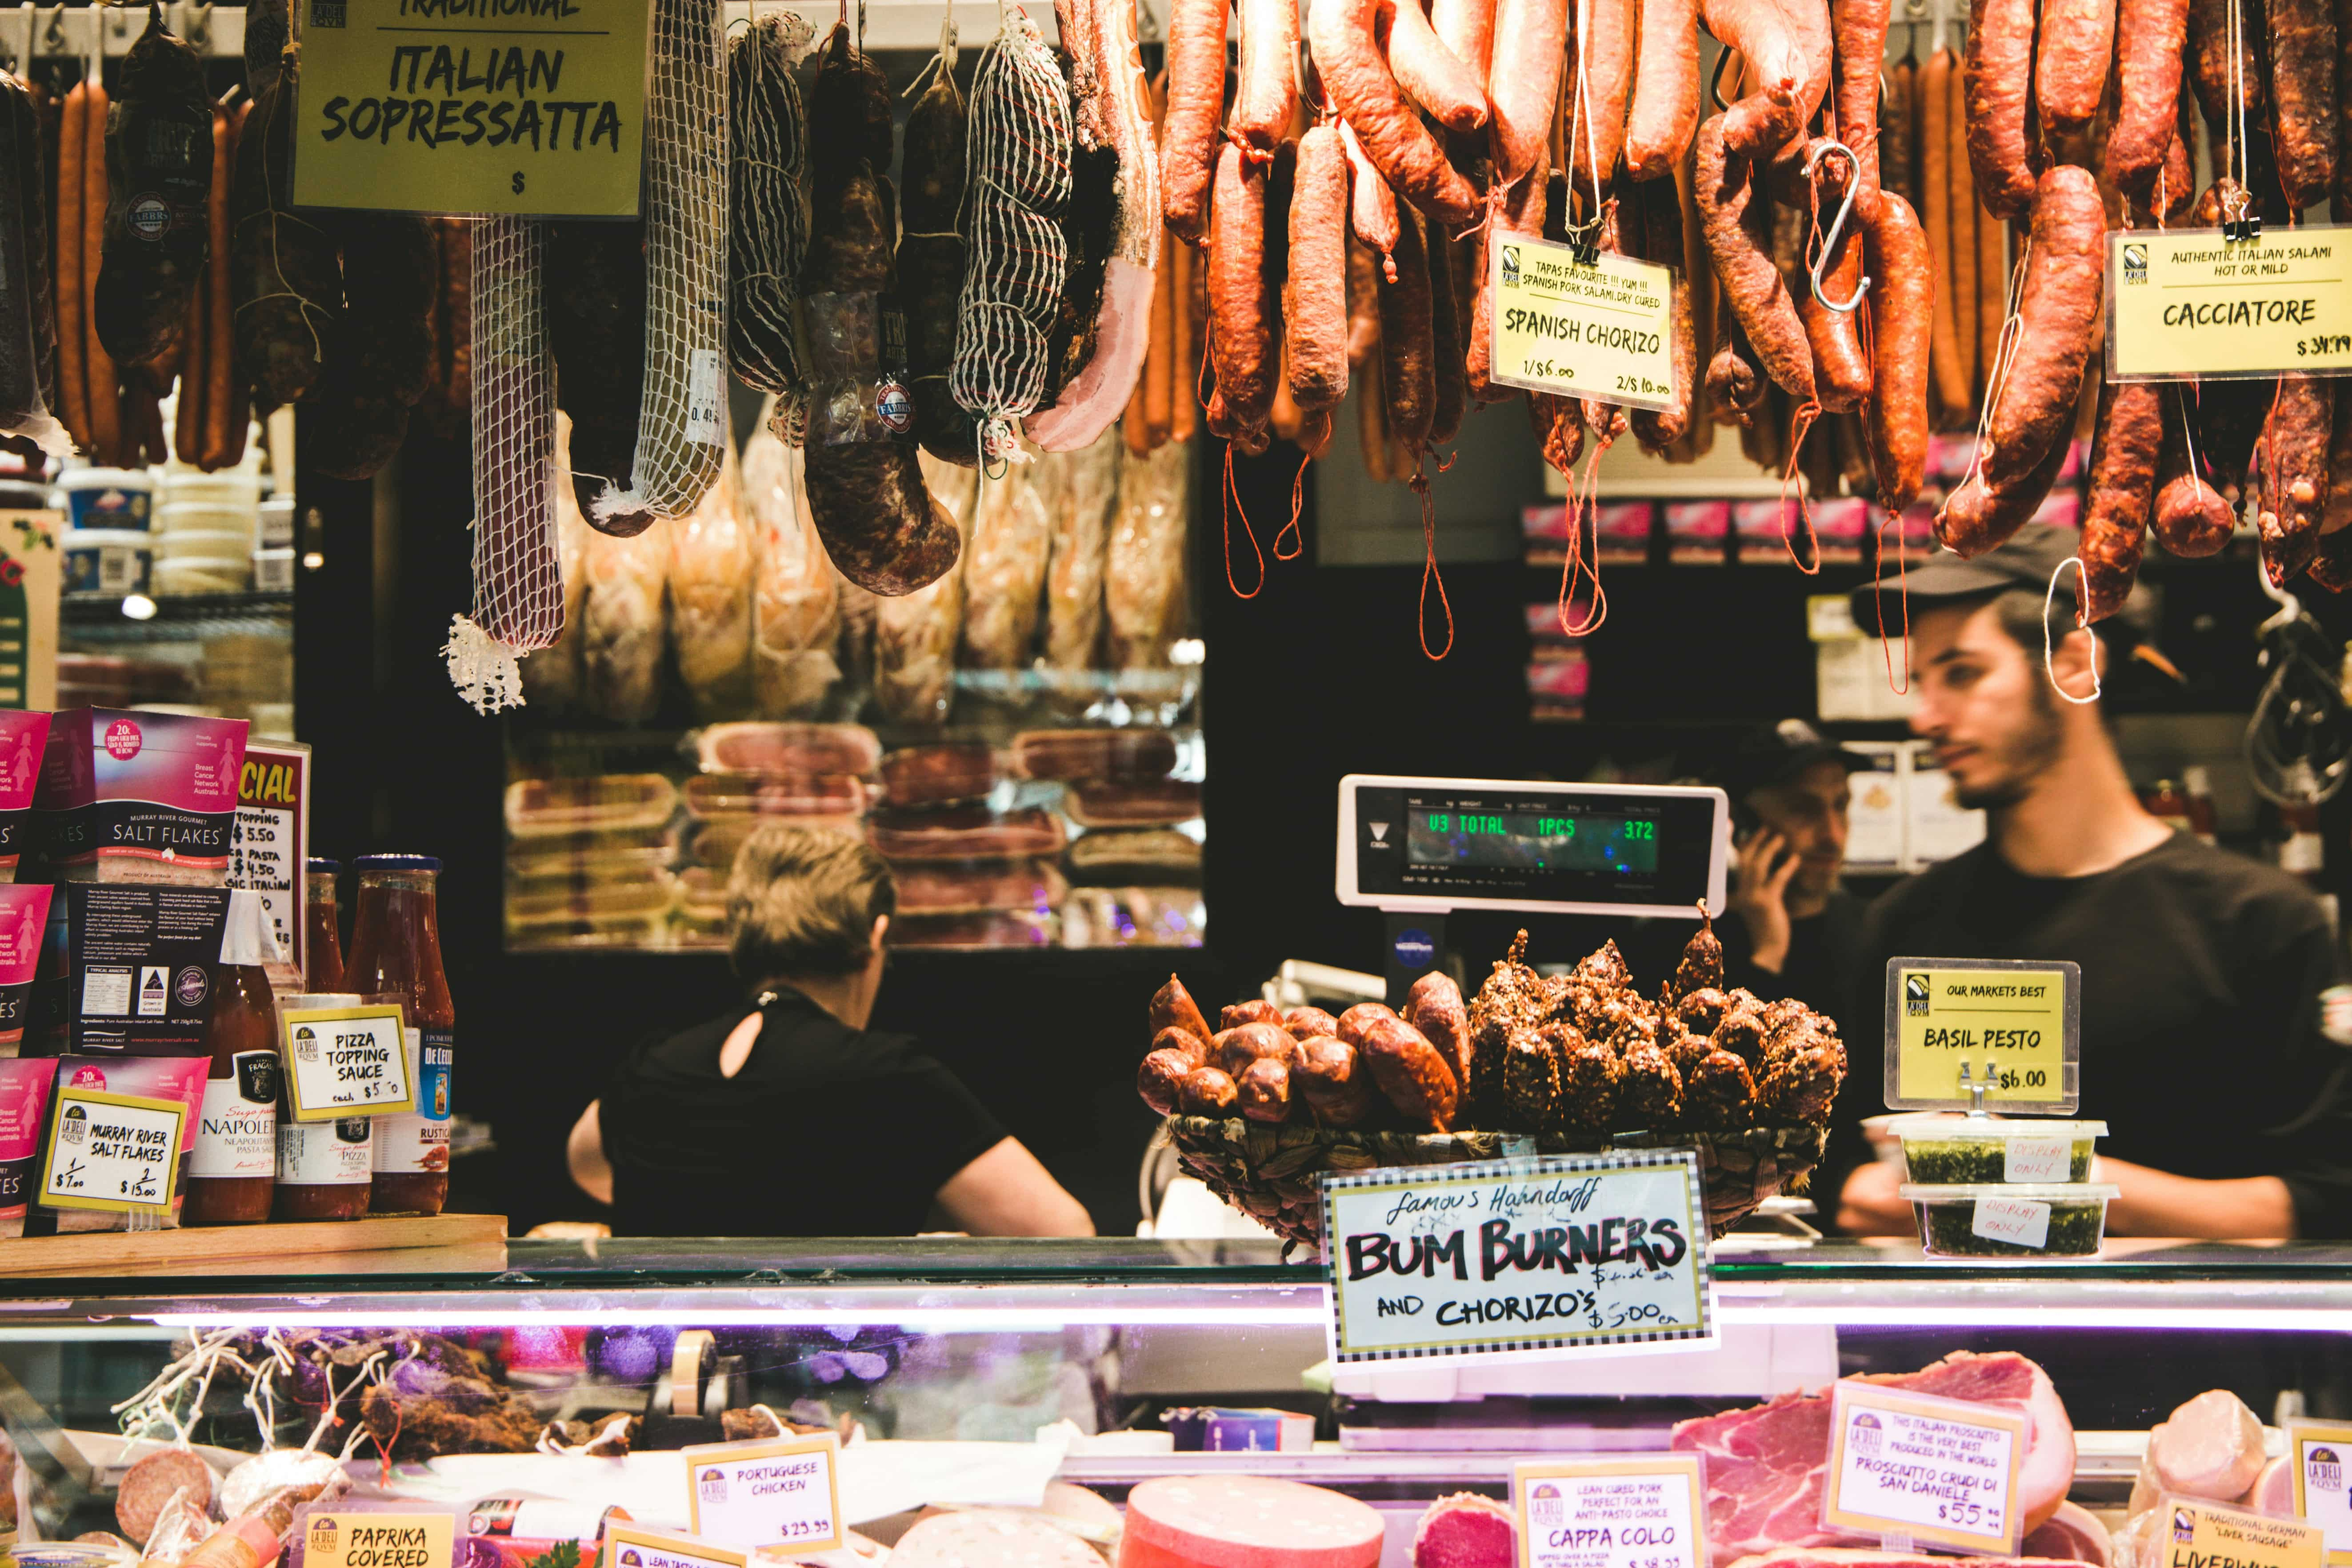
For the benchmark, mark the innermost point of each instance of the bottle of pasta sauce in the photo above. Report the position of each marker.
(323, 1168)
(322, 951)
(233, 1166)
(396, 956)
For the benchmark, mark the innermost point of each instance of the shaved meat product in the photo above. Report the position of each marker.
(2073, 1532)
(1093, 753)
(1080, 531)
(623, 625)
(978, 889)
(1005, 572)
(790, 748)
(1102, 804)
(1136, 855)
(1112, 113)
(932, 775)
(151, 1483)
(915, 635)
(965, 833)
(2209, 1448)
(1466, 1531)
(606, 803)
(1765, 1464)
(773, 795)
(1143, 578)
(1254, 1519)
(796, 593)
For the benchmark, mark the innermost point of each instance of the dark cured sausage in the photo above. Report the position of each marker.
(1997, 79)
(1976, 518)
(1655, 230)
(1172, 1007)
(1205, 1091)
(2294, 453)
(1411, 1074)
(1331, 1076)
(2210, 64)
(1196, 99)
(1664, 112)
(1841, 369)
(1408, 364)
(1450, 397)
(595, 299)
(1730, 206)
(2302, 38)
(290, 283)
(1241, 300)
(1368, 98)
(2058, 311)
(2332, 567)
(1435, 1007)
(159, 176)
(1315, 285)
(930, 262)
(1160, 1079)
(2151, 37)
(1901, 305)
(2122, 494)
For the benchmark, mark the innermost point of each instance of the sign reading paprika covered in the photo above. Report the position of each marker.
(529, 108)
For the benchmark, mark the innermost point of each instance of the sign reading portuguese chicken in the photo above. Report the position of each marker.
(526, 108)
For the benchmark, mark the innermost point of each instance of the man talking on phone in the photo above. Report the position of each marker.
(1792, 928)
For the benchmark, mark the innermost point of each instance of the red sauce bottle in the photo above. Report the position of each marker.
(397, 956)
(322, 951)
(233, 1167)
(323, 1166)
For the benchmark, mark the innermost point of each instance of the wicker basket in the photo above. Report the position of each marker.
(1270, 1172)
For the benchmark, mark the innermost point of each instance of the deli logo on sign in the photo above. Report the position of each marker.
(123, 739)
(1914, 994)
(2134, 262)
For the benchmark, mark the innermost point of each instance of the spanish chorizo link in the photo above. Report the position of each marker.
(2122, 495)
(1242, 346)
(1945, 364)
(1449, 398)
(1841, 369)
(2071, 63)
(1429, 72)
(1466, 28)
(2294, 453)
(1172, 1007)
(1368, 99)
(1412, 1074)
(2302, 35)
(1656, 227)
(1788, 50)
(1196, 99)
(1371, 205)
(1997, 77)
(1407, 361)
(1604, 75)
(1315, 291)
(1523, 83)
(1730, 207)
(1976, 516)
(1664, 113)
(2151, 37)
(2058, 318)
(1861, 28)
(1902, 305)
(1267, 90)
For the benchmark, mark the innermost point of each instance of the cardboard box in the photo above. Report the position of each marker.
(127, 970)
(131, 797)
(30, 572)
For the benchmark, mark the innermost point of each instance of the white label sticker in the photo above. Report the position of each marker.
(760, 1494)
(347, 1061)
(1639, 1512)
(2039, 1160)
(2013, 1220)
(154, 991)
(1941, 1471)
(106, 993)
(112, 1151)
(706, 407)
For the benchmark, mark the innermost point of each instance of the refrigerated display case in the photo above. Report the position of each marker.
(1075, 1362)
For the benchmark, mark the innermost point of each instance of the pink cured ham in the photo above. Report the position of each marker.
(965, 833)
(1854, 1557)
(1466, 1531)
(773, 795)
(1246, 1521)
(1765, 1464)
(790, 749)
(2209, 1448)
(2074, 1532)
(2273, 1490)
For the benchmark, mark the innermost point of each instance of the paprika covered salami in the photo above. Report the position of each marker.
(159, 179)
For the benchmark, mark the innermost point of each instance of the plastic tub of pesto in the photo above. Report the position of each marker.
(2012, 1219)
(1948, 1151)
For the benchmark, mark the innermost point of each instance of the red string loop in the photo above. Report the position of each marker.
(1429, 572)
(1231, 503)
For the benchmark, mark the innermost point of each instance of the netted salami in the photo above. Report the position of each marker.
(519, 595)
(1022, 147)
(768, 220)
(795, 593)
(931, 254)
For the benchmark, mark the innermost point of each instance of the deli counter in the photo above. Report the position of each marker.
(960, 1375)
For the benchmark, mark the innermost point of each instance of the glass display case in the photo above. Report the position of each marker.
(974, 1373)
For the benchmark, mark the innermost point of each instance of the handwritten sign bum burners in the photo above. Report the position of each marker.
(1550, 1253)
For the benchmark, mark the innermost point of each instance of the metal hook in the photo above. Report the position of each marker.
(196, 27)
(53, 38)
(1714, 82)
(1837, 226)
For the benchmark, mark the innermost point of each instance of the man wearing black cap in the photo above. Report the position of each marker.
(1792, 927)
(2201, 969)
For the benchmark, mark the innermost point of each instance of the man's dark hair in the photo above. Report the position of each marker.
(2018, 614)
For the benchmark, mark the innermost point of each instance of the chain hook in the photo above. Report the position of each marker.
(1837, 226)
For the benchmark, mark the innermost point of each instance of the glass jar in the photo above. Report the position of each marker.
(322, 951)
(396, 956)
(232, 1168)
(323, 1168)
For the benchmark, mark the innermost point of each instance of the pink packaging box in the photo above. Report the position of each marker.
(137, 797)
(1621, 531)
(24, 736)
(1838, 523)
(1557, 686)
(1697, 531)
(155, 1077)
(23, 1109)
(23, 919)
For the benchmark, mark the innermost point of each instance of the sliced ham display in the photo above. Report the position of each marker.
(1765, 1464)
(1093, 753)
(2073, 1532)
(929, 775)
(965, 833)
(1466, 1531)
(1246, 1521)
(981, 889)
(790, 748)
(2209, 1448)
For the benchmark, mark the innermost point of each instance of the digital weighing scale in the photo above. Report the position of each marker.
(1418, 848)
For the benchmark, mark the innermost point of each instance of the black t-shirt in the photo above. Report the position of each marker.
(2201, 974)
(1818, 968)
(827, 1130)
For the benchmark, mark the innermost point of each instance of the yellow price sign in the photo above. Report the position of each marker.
(2191, 302)
(526, 108)
(2011, 1029)
(2199, 1535)
(1581, 323)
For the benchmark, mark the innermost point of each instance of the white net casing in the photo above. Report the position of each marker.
(768, 216)
(682, 423)
(519, 600)
(1018, 185)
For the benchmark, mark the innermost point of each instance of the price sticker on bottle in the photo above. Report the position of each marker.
(1939, 1472)
(347, 1061)
(1640, 1511)
(632, 1546)
(786, 1491)
(107, 1150)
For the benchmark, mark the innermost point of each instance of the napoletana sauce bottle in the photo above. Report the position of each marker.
(322, 951)
(397, 956)
(323, 1166)
(233, 1166)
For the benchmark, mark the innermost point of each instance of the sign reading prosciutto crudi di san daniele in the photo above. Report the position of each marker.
(527, 107)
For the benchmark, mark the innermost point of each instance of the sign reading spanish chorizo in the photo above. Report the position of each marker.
(1552, 1253)
(2193, 302)
(529, 108)
(1581, 323)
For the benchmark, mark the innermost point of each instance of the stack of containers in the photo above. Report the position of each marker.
(722, 807)
(2008, 1189)
(107, 548)
(968, 874)
(208, 529)
(586, 859)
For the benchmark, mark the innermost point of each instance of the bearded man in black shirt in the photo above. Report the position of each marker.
(2203, 970)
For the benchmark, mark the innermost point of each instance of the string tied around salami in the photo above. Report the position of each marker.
(1429, 572)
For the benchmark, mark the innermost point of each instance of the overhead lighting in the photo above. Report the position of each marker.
(138, 608)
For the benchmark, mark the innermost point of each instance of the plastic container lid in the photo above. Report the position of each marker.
(103, 538)
(397, 863)
(319, 863)
(1938, 1128)
(107, 479)
(2012, 1191)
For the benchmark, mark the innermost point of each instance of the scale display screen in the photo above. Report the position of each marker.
(1473, 843)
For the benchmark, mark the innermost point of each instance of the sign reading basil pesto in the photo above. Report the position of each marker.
(2013, 1027)
(529, 108)
(1557, 1252)
(1581, 323)
(2192, 303)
